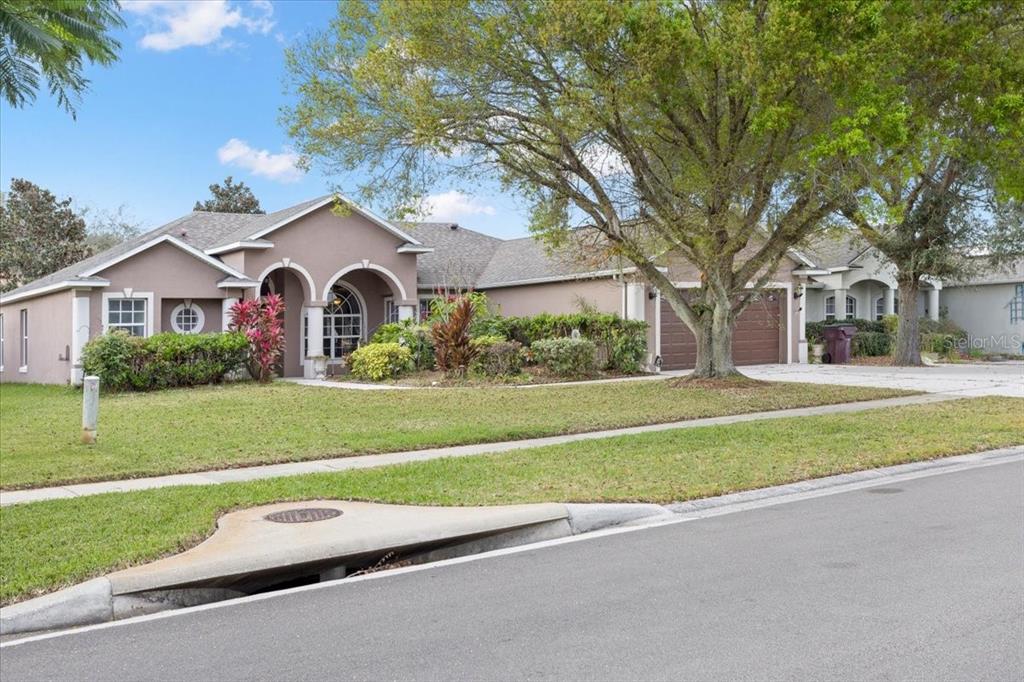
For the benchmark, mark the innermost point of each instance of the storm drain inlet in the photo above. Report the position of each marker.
(303, 515)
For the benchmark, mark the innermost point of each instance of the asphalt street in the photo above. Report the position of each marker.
(923, 579)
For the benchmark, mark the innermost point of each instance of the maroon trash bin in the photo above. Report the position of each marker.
(837, 343)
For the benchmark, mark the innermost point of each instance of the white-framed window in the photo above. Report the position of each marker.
(23, 358)
(187, 318)
(390, 310)
(343, 322)
(1017, 305)
(830, 308)
(425, 307)
(130, 311)
(880, 307)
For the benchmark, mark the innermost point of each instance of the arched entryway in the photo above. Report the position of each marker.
(292, 287)
(355, 303)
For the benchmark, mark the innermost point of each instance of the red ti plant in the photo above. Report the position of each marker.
(452, 348)
(262, 322)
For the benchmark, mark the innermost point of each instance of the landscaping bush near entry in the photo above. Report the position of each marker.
(124, 362)
(566, 356)
(415, 337)
(623, 343)
(871, 344)
(497, 357)
(379, 361)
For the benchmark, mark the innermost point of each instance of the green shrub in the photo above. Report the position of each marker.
(566, 356)
(607, 331)
(891, 324)
(497, 357)
(871, 344)
(113, 357)
(415, 337)
(380, 361)
(628, 351)
(167, 360)
(943, 344)
(815, 331)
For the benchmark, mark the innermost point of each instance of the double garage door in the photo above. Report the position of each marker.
(756, 340)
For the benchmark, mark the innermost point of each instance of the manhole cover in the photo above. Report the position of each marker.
(304, 515)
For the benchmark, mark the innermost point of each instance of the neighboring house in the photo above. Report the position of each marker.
(848, 279)
(341, 276)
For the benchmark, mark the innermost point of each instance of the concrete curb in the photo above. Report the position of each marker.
(100, 601)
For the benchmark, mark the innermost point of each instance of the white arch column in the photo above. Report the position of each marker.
(314, 327)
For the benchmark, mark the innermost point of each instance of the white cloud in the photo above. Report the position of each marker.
(281, 167)
(183, 23)
(452, 206)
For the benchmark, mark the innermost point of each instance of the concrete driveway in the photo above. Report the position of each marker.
(1001, 379)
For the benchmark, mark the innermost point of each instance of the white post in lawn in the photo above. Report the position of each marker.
(889, 301)
(90, 408)
(802, 325)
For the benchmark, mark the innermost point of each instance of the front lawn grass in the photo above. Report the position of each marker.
(164, 432)
(47, 545)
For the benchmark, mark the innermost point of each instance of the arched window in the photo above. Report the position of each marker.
(830, 308)
(343, 322)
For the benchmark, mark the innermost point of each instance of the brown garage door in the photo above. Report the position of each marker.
(756, 340)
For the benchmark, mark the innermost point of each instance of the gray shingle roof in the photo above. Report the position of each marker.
(834, 249)
(461, 258)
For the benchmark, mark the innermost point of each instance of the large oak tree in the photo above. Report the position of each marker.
(944, 192)
(724, 131)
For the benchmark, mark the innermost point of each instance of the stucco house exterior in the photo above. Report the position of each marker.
(848, 279)
(341, 275)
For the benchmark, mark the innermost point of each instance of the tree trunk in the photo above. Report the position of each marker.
(908, 335)
(714, 355)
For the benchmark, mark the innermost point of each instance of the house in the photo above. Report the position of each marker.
(341, 274)
(845, 278)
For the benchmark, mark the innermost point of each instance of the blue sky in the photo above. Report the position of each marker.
(195, 97)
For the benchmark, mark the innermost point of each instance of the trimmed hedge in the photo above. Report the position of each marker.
(497, 357)
(816, 330)
(379, 361)
(124, 362)
(871, 344)
(566, 356)
(623, 343)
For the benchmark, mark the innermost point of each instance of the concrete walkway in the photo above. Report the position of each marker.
(368, 461)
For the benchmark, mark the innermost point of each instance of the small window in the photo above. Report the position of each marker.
(128, 314)
(390, 310)
(880, 308)
(851, 307)
(425, 308)
(1017, 305)
(24, 338)
(830, 308)
(187, 318)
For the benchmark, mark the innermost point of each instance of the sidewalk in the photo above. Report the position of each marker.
(367, 461)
